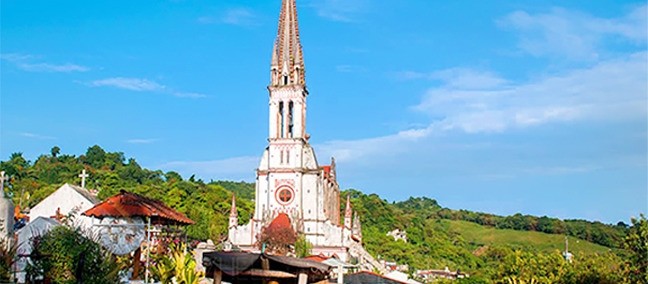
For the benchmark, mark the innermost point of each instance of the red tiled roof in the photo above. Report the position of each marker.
(281, 221)
(318, 258)
(128, 204)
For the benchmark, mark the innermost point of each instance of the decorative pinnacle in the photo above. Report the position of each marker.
(287, 59)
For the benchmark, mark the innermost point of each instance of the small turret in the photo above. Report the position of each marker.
(356, 231)
(233, 218)
(348, 213)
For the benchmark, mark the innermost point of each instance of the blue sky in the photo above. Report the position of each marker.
(536, 107)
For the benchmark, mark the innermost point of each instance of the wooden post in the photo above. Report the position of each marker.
(218, 276)
(302, 278)
(137, 266)
(265, 265)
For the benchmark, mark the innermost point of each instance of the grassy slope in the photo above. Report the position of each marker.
(481, 235)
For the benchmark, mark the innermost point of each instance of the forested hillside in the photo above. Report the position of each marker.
(487, 246)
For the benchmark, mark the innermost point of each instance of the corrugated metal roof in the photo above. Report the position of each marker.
(128, 204)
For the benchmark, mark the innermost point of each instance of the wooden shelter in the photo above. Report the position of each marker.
(127, 204)
(253, 268)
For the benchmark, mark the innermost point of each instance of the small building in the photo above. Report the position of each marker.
(242, 267)
(366, 277)
(398, 235)
(38, 227)
(432, 274)
(66, 200)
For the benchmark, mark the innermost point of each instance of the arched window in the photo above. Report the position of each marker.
(290, 119)
(281, 119)
(285, 80)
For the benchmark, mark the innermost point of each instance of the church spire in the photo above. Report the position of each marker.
(233, 212)
(287, 61)
(348, 213)
(233, 218)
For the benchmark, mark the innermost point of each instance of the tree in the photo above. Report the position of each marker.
(302, 246)
(278, 237)
(55, 151)
(66, 255)
(636, 242)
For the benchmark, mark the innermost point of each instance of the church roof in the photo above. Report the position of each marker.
(287, 51)
(128, 204)
(84, 192)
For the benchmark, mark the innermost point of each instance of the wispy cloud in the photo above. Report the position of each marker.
(233, 16)
(190, 95)
(37, 136)
(574, 35)
(339, 10)
(238, 168)
(133, 84)
(141, 141)
(142, 85)
(470, 101)
(610, 90)
(350, 69)
(27, 62)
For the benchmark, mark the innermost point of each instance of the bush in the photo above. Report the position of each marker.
(66, 255)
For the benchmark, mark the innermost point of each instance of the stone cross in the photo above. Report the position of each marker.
(83, 177)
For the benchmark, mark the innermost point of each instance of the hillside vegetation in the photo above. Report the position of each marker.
(492, 248)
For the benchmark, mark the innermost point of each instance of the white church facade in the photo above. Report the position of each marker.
(289, 178)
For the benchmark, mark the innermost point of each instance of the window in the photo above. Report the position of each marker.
(281, 119)
(285, 80)
(290, 119)
(281, 157)
(287, 156)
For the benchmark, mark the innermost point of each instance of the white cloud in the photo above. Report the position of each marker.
(45, 67)
(133, 84)
(233, 16)
(350, 69)
(37, 136)
(572, 34)
(189, 95)
(231, 168)
(239, 17)
(472, 101)
(610, 90)
(339, 10)
(142, 85)
(141, 141)
(26, 62)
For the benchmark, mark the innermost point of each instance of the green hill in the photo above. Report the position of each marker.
(479, 236)
(488, 246)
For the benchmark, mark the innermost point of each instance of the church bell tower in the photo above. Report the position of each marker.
(287, 80)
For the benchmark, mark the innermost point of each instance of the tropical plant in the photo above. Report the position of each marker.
(177, 266)
(302, 246)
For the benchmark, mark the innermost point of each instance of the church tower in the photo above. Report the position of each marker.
(290, 184)
(289, 179)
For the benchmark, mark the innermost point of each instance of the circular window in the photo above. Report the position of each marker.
(284, 195)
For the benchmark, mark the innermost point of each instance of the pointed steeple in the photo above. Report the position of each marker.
(287, 61)
(233, 212)
(348, 213)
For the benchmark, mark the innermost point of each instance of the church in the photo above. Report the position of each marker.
(289, 179)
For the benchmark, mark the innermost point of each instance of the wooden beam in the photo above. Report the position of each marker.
(218, 276)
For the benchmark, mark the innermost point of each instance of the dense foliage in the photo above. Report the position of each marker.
(437, 237)
(66, 255)
(207, 204)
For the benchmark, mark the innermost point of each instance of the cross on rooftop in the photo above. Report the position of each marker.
(83, 177)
